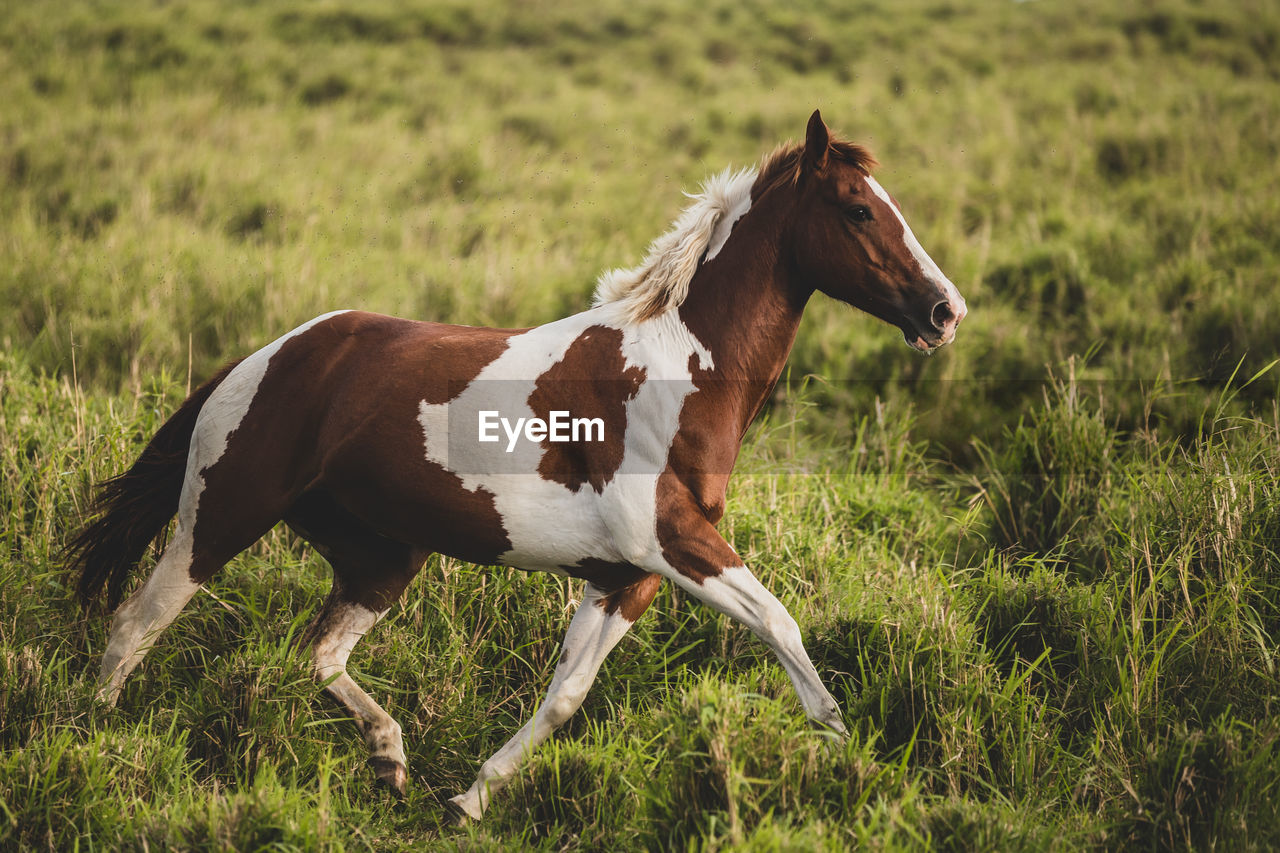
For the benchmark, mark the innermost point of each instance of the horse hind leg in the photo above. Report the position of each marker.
(139, 621)
(369, 574)
(222, 510)
(334, 634)
(185, 566)
(182, 569)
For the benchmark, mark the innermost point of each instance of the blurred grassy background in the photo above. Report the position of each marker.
(193, 179)
(1039, 569)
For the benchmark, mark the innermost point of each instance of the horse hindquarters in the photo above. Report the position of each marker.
(257, 453)
(238, 481)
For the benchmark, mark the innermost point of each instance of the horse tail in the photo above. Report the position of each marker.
(134, 508)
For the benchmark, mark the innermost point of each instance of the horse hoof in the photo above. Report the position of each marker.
(456, 814)
(390, 773)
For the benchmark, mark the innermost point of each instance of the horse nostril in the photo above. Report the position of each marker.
(942, 316)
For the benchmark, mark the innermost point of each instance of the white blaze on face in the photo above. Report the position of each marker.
(927, 266)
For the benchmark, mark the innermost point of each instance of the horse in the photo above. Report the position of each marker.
(382, 441)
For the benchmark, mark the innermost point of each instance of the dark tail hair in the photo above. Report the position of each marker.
(134, 508)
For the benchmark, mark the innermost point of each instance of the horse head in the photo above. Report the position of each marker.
(851, 242)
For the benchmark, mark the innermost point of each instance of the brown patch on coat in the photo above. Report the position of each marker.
(605, 574)
(690, 543)
(632, 601)
(591, 381)
(628, 589)
(332, 443)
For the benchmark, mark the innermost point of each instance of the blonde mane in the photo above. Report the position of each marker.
(661, 281)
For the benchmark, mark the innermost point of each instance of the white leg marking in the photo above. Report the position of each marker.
(737, 593)
(147, 612)
(343, 628)
(592, 634)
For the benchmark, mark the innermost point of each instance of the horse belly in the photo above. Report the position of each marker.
(551, 527)
(519, 520)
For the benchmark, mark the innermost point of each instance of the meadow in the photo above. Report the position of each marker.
(1039, 569)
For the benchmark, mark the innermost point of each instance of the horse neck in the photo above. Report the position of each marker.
(745, 308)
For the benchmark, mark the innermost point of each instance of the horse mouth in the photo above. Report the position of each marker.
(920, 343)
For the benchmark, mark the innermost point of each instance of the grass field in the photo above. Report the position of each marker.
(1039, 570)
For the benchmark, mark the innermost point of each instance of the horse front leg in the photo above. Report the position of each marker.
(599, 623)
(694, 555)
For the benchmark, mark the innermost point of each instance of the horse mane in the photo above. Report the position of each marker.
(661, 281)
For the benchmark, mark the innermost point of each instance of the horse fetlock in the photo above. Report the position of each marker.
(111, 679)
(108, 694)
(559, 709)
(832, 719)
(491, 778)
(390, 749)
(385, 739)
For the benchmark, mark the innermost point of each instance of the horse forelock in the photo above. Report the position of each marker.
(784, 165)
(661, 281)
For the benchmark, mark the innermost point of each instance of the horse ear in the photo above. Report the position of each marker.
(817, 141)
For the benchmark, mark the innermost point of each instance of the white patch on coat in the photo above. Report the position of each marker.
(548, 524)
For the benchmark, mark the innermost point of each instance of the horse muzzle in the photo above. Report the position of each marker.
(939, 328)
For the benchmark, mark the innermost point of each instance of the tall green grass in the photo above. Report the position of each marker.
(1111, 685)
(1039, 570)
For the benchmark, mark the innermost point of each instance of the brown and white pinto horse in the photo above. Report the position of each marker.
(366, 434)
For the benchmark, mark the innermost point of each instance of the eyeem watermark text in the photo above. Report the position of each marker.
(560, 427)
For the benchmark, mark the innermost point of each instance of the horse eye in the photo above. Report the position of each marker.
(859, 213)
